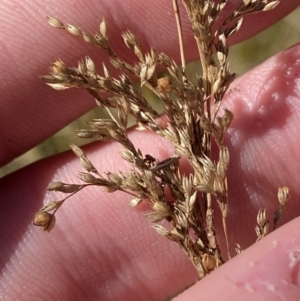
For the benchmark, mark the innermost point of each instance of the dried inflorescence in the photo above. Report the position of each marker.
(194, 123)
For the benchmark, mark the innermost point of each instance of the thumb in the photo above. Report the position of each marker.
(269, 271)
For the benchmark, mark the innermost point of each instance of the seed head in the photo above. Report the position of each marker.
(44, 220)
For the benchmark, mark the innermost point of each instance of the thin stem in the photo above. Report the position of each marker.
(129, 192)
(226, 236)
(180, 35)
(79, 188)
(112, 116)
(224, 219)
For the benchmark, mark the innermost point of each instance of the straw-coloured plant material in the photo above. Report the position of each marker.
(195, 122)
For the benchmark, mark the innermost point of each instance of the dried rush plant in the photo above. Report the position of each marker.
(193, 124)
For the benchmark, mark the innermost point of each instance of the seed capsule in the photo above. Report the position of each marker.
(44, 220)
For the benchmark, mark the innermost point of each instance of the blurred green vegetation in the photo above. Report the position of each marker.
(242, 57)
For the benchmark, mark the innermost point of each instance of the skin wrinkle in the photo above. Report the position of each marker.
(140, 278)
(274, 150)
(74, 259)
(24, 268)
(256, 171)
(111, 276)
(116, 275)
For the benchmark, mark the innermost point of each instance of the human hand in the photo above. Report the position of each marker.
(99, 249)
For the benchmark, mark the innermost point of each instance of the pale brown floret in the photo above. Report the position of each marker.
(44, 220)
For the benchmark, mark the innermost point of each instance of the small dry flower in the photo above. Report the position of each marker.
(283, 198)
(44, 220)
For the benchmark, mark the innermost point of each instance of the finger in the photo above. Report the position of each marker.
(263, 139)
(30, 111)
(267, 271)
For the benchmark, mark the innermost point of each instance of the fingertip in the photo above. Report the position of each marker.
(269, 270)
